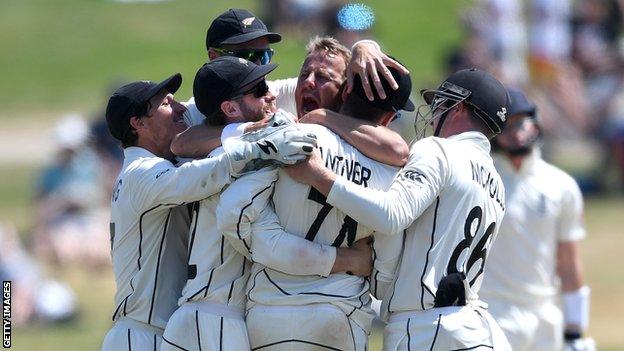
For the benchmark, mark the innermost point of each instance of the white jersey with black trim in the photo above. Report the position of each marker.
(148, 230)
(449, 200)
(303, 211)
(544, 208)
(283, 89)
(216, 271)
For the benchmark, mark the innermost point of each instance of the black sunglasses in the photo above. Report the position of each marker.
(263, 56)
(259, 90)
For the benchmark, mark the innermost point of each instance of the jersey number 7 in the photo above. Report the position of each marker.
(349, 225)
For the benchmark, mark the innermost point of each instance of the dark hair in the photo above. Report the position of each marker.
(131, 137)
(359, 108)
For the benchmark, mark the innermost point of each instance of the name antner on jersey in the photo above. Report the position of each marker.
(451, 200)
(303, 211)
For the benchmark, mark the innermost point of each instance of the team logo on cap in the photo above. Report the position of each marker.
(243, 61)
(248, 21)
(502, 114)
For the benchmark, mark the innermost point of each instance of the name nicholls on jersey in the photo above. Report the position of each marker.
(350, 169)
(492, 186)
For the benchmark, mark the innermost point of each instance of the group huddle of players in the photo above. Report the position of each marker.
(265, 214)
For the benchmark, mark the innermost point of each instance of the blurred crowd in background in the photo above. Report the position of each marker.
(568, 55)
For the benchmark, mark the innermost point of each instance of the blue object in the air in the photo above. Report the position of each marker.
(356, 17)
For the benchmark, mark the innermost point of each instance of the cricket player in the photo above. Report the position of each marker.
(537, 244)
(449, 200)
(310, 312)
(211, 312)
(148, 224)
(240, 33)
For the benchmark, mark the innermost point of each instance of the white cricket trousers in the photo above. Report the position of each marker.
(444, 329)
(206, 326)
(128, 334)
(529, 328)
(312, 327)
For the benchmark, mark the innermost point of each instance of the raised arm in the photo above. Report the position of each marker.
(197, 141)
(412, 191)
(377, 142)
(159, 182)
(368, 60)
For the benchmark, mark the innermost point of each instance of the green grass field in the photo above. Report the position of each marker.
(61, 56)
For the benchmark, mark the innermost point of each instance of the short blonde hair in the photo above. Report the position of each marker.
(328, 45)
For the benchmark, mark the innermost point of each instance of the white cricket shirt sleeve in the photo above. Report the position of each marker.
(387, 254)
(160, 182)
(251, 226)
(192, 116)
(284, 91)
(411, 192)
(288, 253)
(570, 226)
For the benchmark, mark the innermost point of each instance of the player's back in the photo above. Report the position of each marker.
(303, 211)
(455, 231)
(216, 271)
(148, 243)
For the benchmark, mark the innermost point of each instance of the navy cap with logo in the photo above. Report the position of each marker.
(519, 104)
(395, 100)
(236, 26)
(132, 100)
(480, 90)
(223, 78)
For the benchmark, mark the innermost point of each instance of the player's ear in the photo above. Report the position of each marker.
(231, 109)
(387, 118)
(136, 122)
(212, 54)
(344, 93)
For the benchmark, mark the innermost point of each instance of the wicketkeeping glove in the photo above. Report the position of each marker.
(280, 145)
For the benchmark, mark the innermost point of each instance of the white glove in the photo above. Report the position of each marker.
(280, 145)
(580, 344)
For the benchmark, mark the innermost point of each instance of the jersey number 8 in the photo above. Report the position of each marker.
(479, 252)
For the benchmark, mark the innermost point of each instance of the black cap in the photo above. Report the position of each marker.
(480, 90)
(131, 100)
(223, 78)
(519, 104)
(395, 100)
(236, 26)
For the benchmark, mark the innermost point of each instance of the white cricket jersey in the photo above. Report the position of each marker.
(544, 208)
(283, 89)
(148, 230)
(216, 271)
(450, 201)
(303, 211)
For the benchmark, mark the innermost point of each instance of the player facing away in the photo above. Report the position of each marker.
(449, 201)
(537, 244)
(211, 313)
(315, 311)
(148, 224)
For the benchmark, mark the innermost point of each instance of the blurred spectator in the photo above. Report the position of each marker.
(35, 297)
(347, 22)
(72, 217)
(550, 37)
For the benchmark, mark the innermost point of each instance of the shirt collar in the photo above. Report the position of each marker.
(477, 137)
(134, 152)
